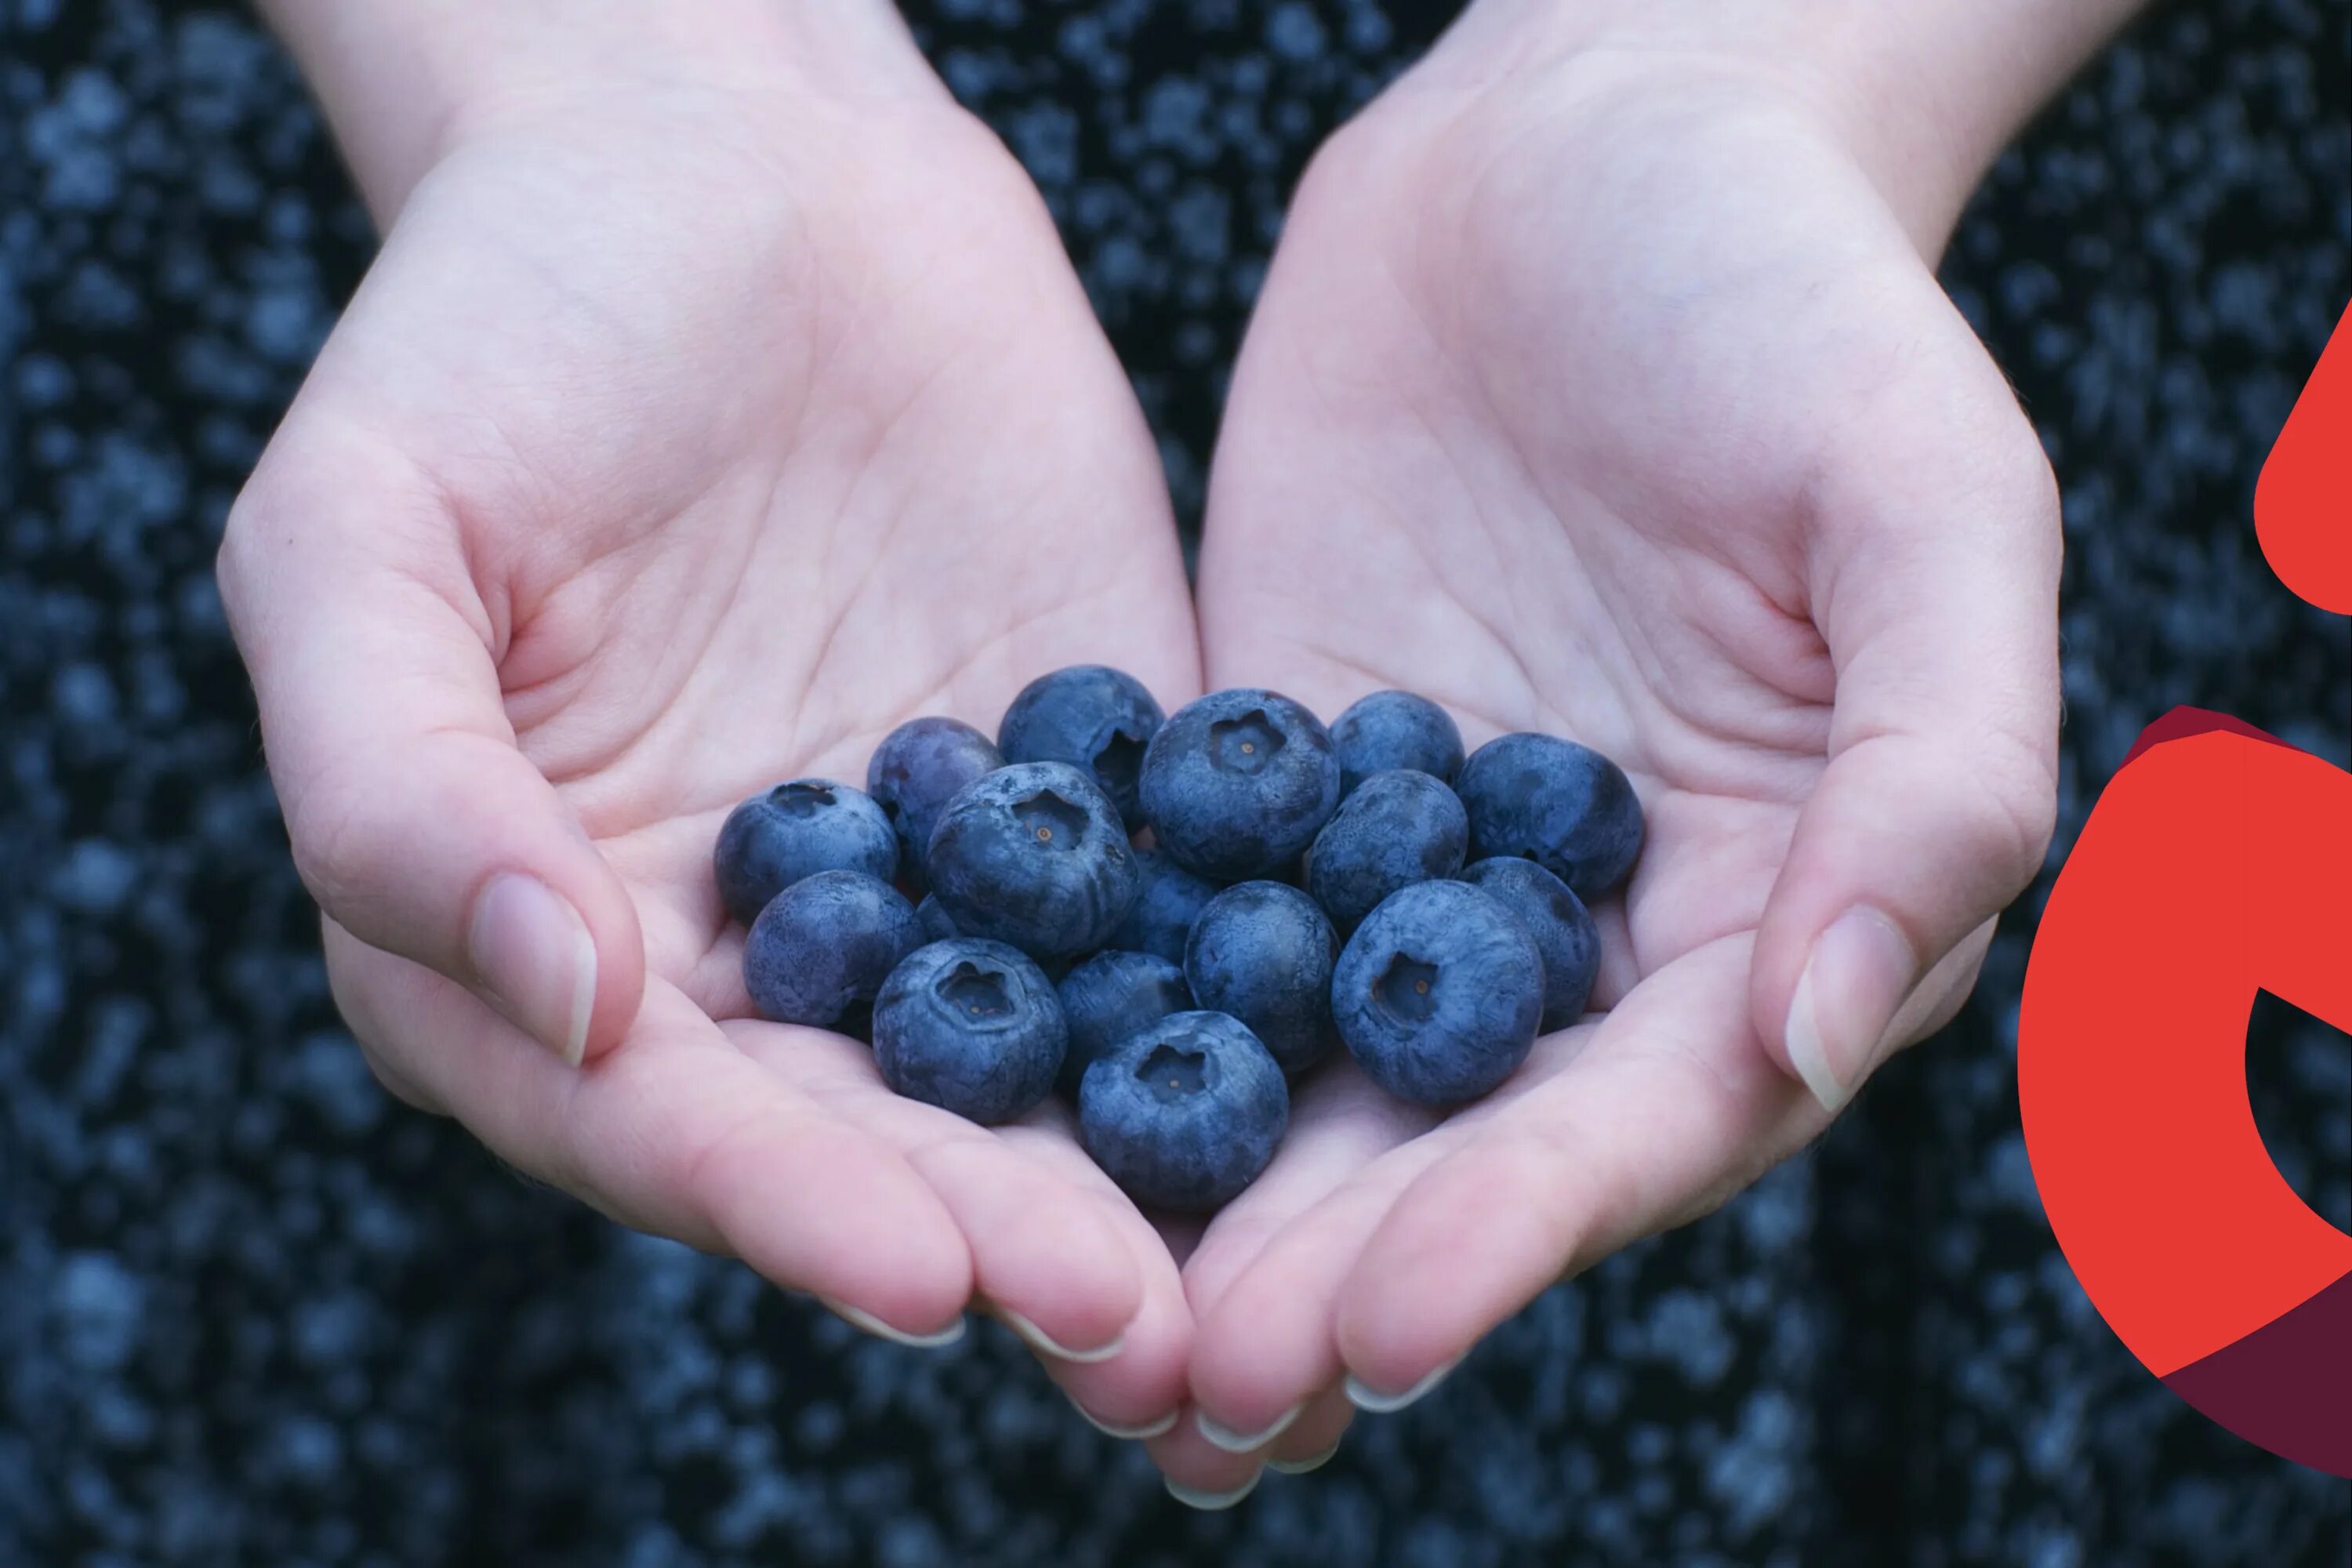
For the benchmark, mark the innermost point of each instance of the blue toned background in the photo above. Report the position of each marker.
(252, 1311)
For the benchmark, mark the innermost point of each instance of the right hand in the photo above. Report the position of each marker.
(683, 438)
(1601, 386)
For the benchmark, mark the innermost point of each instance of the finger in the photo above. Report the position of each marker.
(1202, 1474)
(1045, 1245)
(398, 1084)
(1670, 1109)
(1314, 1438)
(356, 1002)
(1266, 1342)
(414, 821)
(1138, 1393)
(680, 1133)
(1934, 560)
(1199, 1474)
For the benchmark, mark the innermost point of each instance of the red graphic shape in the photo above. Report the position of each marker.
(2303, 502)
(2216, 865)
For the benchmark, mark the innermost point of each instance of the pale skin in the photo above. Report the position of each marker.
(722, 398)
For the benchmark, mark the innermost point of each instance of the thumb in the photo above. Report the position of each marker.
(415, 822)
(1934, 561)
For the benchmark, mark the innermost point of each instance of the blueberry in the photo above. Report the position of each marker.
(1263, 953)
(915, 770)
(1237, 783)
(1110, 997)
(822, 947)
(1185, 1113)
(796, 830)
(1565, 807)
(1390, 729)
(1035, 856)
(1164, 908)
(1438, 992)
(1090, 715)
(969, 1025)
(934, 920)
(1398, 828)
(1563, 931)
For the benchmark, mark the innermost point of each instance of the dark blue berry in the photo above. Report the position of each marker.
(822, 947)
(1237, 784)
(1110, 997)
(1396, 828)
(1563, 931)
(1439, 992)
(1390, 729)
(796, 830)
(915, 770)
(934, 920)
(1565, 807)
(1169, 901)
(1184, 1113)
(1035, 856)
(971, 1026)
(1090, 715)
(1263, 953)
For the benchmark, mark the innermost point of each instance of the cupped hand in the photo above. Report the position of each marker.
(686, 436)
(1598, 389)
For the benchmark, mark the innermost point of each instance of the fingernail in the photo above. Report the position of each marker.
(1373, 1402)
(533, 955)
(1855, 979)
(882, 1330)
(1044, 1343)
(1127, 1434)
(1302, 1466)
(1210, 1503)
(1234, 1442)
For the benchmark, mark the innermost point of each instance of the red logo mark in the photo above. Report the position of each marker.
(2217, 863)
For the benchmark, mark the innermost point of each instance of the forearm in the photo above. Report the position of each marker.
(400, 80)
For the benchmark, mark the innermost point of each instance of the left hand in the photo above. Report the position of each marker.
(1600, 390)
(720, 397)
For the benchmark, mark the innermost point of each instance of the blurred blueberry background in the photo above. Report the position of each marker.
(252, 1311)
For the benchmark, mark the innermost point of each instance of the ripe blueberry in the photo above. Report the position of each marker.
(1091, 716)
(1110, 997)
(969, 1025)
(915, 770)
(1035, 856)
(1262, 951)
(1183, 1114)
(1391, 729)
(822, 947)
(1399, 828)
(1161, 916)
(1237, 783)
(1565, 807)
(796, 830)
(1438, 992)
(1563, 931)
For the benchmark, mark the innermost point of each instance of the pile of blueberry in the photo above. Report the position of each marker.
(1364, 882)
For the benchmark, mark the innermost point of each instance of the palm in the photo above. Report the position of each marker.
(834, 443)
(1529, 419)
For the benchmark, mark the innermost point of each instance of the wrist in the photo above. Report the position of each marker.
(1924, 94)
(404, 82)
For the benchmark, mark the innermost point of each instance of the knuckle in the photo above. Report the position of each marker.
(236, 563)
(339, 848)
(2011, 807)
